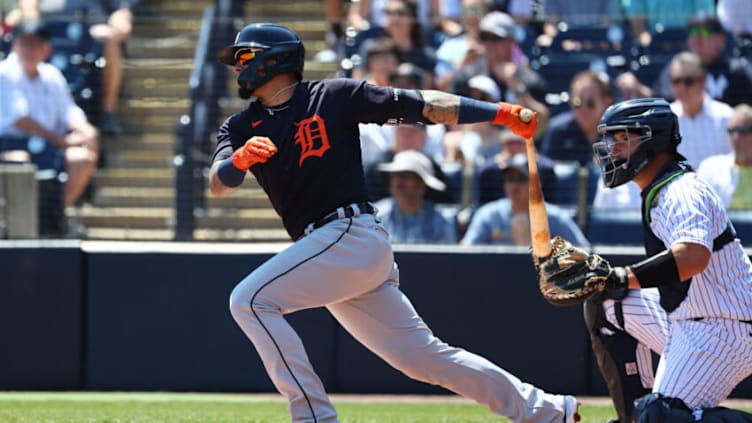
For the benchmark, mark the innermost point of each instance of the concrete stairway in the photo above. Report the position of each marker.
(134, 193)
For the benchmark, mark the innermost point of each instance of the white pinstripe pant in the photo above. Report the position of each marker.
(701, 361)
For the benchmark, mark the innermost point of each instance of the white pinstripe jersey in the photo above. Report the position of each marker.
(688, 210)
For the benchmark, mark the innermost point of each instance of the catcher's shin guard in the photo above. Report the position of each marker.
(656, 408)
(616, 354)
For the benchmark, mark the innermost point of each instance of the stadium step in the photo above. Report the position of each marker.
(134, 193)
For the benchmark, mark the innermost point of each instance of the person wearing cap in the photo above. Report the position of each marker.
(403, 137)
(504, 62)
(490, 184)
(407, 215)
(506, 221)
(36, 101)
(728, 79)
(475, 143)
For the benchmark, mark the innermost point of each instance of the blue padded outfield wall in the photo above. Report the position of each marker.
(154, 316)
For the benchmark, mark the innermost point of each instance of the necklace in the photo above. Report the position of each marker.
(293, 85)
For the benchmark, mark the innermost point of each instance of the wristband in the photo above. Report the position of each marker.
(472, 111)
(657, 270)
(230, 175)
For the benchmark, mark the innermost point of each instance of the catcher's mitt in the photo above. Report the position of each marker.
(569, 275)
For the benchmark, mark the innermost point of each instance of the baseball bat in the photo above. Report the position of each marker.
(540, 235)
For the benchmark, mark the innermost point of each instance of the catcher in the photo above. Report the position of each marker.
(690, 300)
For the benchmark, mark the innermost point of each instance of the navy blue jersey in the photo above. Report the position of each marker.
(317, 167)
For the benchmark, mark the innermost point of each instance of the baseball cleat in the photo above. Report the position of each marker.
(571, 406)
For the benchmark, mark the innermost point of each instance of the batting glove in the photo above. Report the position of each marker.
(255, 150)
(509, 116)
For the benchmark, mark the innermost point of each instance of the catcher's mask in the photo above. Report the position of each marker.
(264, 50)
(632, 132)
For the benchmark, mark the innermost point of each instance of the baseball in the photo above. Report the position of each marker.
(526, 115)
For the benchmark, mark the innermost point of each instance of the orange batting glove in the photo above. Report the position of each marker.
(255, 150)
(509, 116)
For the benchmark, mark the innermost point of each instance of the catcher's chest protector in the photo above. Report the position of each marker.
(671, 294)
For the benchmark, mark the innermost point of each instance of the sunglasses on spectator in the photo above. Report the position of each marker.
(401, 13)
(243, 56)
(687, 81)
(702, 31)
(487, 36)
(741, 130)
(577, 102)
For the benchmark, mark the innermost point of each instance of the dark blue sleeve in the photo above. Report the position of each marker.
(362, 102)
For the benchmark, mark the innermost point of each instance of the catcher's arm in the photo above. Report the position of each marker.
(570, 275)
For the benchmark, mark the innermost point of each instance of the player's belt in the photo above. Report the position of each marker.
(355, 209)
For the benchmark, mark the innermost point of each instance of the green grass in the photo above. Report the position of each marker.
(86, 407)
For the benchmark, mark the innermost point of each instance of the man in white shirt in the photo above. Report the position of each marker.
(703, 120)
(730, 175)
(35, 101)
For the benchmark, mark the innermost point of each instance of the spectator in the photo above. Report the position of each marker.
(731, 174)
(505, 64)
(406, 137)
(728, 79)
(473, 144)
(408, 215)
(367, 15)
(645, 16)
(403, 26)
(36, 102)
(381, 56)
(375, 139)
(571, 134)
(506, 221)
(464, 48)
(334, 13)
(491, 174)
(703, 121)
(736, 17)
(111, 24)
(582, 14)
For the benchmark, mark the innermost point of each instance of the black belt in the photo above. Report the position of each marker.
(345, 212)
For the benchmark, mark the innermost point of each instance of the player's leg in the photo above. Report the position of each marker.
(385, 321)
(623, 356)
(334, 263)
(704, 360)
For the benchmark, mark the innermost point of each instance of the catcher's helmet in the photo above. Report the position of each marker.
(273, 50)
(621, 156)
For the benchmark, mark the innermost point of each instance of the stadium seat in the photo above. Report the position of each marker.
(742, 221)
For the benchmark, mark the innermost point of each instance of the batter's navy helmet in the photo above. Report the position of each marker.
(267, 50)
(619, 158)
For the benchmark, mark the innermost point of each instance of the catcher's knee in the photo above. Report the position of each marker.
(616, 354)
(656, 408)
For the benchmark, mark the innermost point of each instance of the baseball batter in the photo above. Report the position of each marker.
(691, 298)
(300, 140)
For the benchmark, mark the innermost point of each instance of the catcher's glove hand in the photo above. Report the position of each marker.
(569, 275)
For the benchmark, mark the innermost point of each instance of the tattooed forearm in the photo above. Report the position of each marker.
(440, 107)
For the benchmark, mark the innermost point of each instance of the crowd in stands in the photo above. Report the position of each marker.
(566, 60)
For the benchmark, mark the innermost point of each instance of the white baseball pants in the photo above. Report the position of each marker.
(348, 267)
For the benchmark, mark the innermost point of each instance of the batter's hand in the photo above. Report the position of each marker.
(509, 116)
(255, 150)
